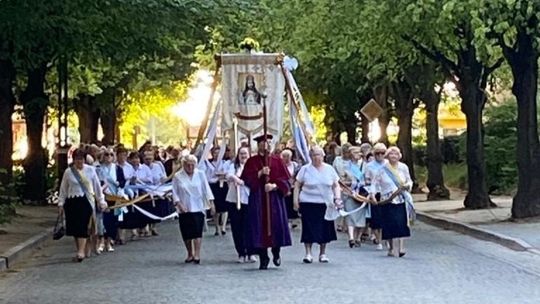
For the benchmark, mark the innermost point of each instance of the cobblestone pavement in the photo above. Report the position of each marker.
(440, 267)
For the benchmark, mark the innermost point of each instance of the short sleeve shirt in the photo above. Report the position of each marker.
(316, 183)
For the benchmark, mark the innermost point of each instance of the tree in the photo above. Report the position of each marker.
(515, 27)
(443, 31)
(7, 103)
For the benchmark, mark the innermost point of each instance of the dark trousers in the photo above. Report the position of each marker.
(239, 223)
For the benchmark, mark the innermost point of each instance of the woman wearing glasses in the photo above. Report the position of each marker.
(372, 169)
(112, 181)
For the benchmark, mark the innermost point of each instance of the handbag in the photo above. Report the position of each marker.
(59, 229)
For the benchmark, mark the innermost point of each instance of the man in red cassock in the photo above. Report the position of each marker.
(268, 225)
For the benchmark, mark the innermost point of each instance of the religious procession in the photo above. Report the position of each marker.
(260, 183)
(266, 151)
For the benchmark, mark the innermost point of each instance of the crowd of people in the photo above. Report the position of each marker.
(361, 190)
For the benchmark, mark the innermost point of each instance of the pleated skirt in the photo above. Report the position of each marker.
(394, 221)
(77, 211)
(191, 225)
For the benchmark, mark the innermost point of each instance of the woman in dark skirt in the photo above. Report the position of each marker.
(372, 169)
(79, 194)
(316, 189)
(288, 155)
(112, 180)
(191, 196)
(215, 171)
(394, 176)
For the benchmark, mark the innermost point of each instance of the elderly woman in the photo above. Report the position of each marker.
(292, 167)
(316, 189)
(354, 177)
(239, 217)
(112, 180)
(393, 178)
(191, 197)
(371, 170)
(80, 193)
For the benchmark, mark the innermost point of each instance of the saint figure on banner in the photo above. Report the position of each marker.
(250, 94)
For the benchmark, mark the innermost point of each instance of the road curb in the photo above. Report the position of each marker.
(16, 253)
(477, 232)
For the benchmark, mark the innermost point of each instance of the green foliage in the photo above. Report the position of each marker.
(150, 110)
(10, 196)
(501, 141)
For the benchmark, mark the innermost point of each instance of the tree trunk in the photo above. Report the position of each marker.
(472, 104)
(350, 128)
(108, 124)
(35, 103)
(381, 96)
(524, 65)
(435, 178)
(405, 105)
(88, 114)
(7, 103)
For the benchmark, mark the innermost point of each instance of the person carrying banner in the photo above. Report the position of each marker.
(268, 185)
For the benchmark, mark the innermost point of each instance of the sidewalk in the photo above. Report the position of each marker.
(27, 231)
(494, 224)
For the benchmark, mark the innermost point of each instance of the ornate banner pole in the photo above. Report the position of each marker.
(266, 164)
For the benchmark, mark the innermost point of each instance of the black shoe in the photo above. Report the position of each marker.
(264, 261)
(196, 261)
(402, 254)
(216, 233)
(223, 232)
(277, 261)
(351, 243)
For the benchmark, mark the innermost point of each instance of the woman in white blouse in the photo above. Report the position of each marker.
(317, 189)
(191, 196)
(394, 176)
(80, 193)
(239, 217)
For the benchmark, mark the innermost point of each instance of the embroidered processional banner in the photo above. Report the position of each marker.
(246, 80)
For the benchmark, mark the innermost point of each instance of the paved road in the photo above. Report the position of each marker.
(441, 267)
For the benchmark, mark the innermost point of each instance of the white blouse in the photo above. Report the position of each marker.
(372, 169)
(211, 169)
(129, 172)
(317, 184)
(70, 187)
(384, 184)
(157, 171)
(192, 192)
(107, 174)
(232, 194)
(143, 174)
